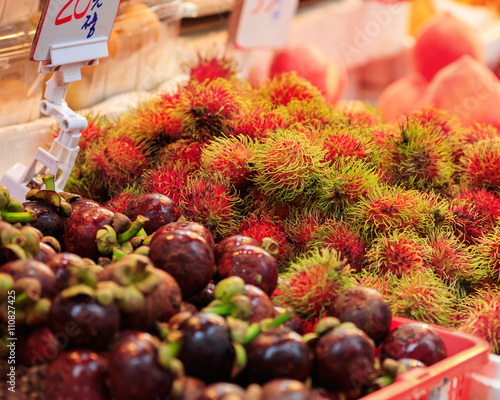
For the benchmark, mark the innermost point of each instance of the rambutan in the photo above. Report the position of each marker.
(357, 113)
(442, 122)
(389, 208)
(345, 183)
(231, 157)
(282, 88)
(486, 203)
(256, 202)
(339, 236)
(348, 142)
(118, 203)
(480, 316)
(398, 253)
(468, 135)
(119, 160)
(212, 104)
(186, 152)
(381, 283)
(309, 113)
(451, 260)
(420, 158)
(466, 220)
(156, 120)
(211, 65)
(301, 226)
(312, 282)
(260, 226)
(212, 202)
(167, 179)
(258, 120)
(487, 254)
(481, 164)
(287, 165)
(420, 295)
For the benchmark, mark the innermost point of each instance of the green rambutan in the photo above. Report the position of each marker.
(345, 183)
(398, 253)
(231, 157)
(167, 179)
(420, 295)
(185, 151)
(309, 113)
(301, 226)
(261, 225)
(282, 88)
(287, 165)
(312, 282)
(119, 160)
(211, 106)
(211, 65)
(480, 164)
(212, 202)
(451, 260)
(480, 316)
(420, 158)
(487, 254)
(387, 208)
(339, 236)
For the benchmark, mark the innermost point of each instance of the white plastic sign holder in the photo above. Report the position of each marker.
(71, 34)
(258, 24)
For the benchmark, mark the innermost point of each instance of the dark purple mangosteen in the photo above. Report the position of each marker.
(231, 242)
(286, 389)
(187, 226)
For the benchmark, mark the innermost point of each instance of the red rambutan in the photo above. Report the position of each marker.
(186, 152)
(339, 236)
(212, 202)
(166, 179)
(282, 88)
(309, 113)
(211, 65)
(481, 164)
(230, 157)
(349, 142)
(442, 122)
(468, 135)
(398, 253)
(451, 260)
(312, 282)
(487, 254)
(118, 203)
(480, 316)
(287, 165)
(358, 113)
(466, 220)
(119, 160)
(420, 295)
(381, 283)
(485, 203)
(260, 226)
(212, 105)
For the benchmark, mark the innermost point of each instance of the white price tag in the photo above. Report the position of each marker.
(261, 23)
(79, 27)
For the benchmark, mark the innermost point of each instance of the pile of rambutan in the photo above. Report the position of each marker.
(411, 209)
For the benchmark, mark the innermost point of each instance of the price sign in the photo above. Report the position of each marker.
(79, 29)
(261, 23)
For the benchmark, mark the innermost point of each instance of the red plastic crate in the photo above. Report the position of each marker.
(448, 379)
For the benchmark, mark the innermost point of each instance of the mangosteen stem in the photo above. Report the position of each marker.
(219, 309)
(15, 217)
(49, 181)
(148, 284)
(240, 359)
(137, 225)
(271, 246)
(255, 329)
(6, 284)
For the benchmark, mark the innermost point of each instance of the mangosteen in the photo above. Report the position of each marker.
(231, 242)
(187, 226)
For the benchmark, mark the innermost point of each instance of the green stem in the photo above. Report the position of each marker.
(15, 217)
(222, 309)
(137, 225)
(50, 182)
